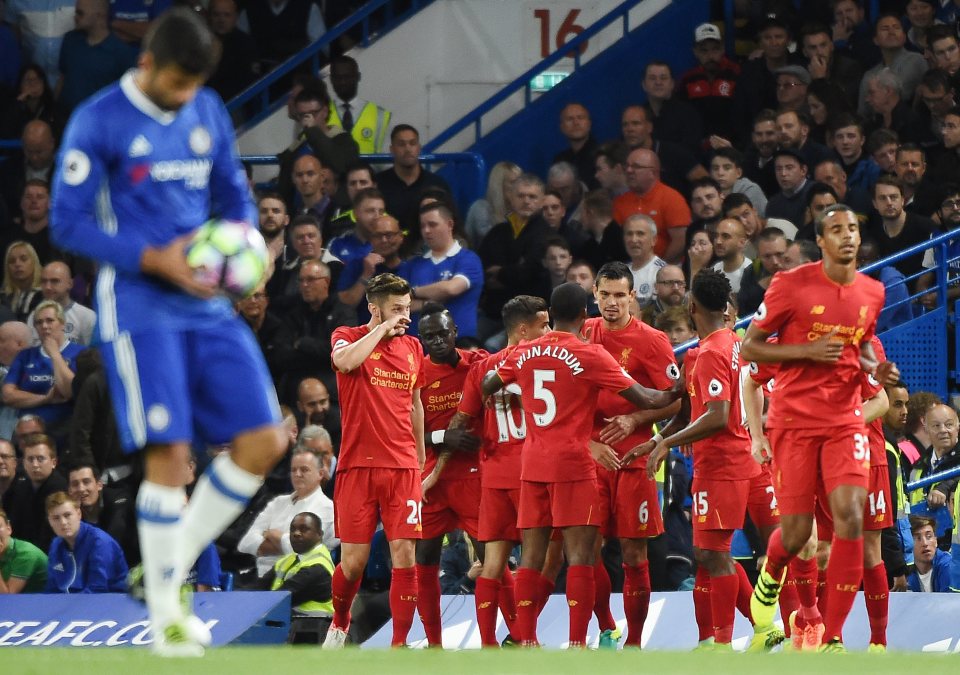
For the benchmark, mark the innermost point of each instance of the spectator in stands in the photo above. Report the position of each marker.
(273, 335)
(945, 164)
(56, 281)
(555, 213)
(663, 204)
(556, 261)
(491, 209)
(23, 566)
(402, 183)
(83, 558)
(945, 47)
(728, 245)
(832, 173)
(284, 287)
(824, 100)
(317, 440)
(897, 229)
(35, 162)
(848, 141)
(364, 120)
(726, 168)
(678, 165)
(130, 19)
(281, 28)
(269, 536)
(24, 502)
(384, 256)
(711, 85)
(677, 325)
(41, 29)
(40, 377)
(310, 197)
(759, 84)
(34, 102)
(800, 252)
(446, 273)
(563, 180)
(26, 425)
(758, 158)
(21, 280)
(581, 272)
(937, 93)
(791, 171)
(604, 237)
(273, 219)
(793, 83)
(699, 253)
(949, 213)
(91, 57)
(826, 64)
(8, 469)
(93, 428)
(908, 66)
(582, 147)
(890, 110)
(238, 66)
(920, 15)
(933, 565)
(110, 509)
(32, 226)
(916, 435)
(14, 338)
(940, 423)
(882, 145)
(706, 204)
(793, 132)
(11, 57)
(771, 247)
(674, 119)
(639, 238)
(910, 166)
(611, 167)
(368, 205)
(896, 304)
(357, 176)
(819, 197)
(852, 33)
(669, 290)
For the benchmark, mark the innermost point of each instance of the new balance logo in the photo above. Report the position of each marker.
(817, 309)
(140, 147)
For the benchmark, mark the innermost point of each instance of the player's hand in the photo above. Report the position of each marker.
(605, 456)
(618, 428)
(656, 459)
(641, 450)
(170, 264)
(370, 262)
(760, 447)
(461, 439)
(887, 373)
(900, 584)
(396, 325)
(936, 498)
(825, 349)
(428, 483)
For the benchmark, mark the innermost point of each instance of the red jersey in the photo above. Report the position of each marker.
(375, 402)
(560, 377)
(504, 428)
(713, 374)
(647, 356)
(803, 305)
(440, 395)
(870, 387)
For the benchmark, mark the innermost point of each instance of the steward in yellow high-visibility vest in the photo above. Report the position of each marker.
(365, 121)
(307, 573)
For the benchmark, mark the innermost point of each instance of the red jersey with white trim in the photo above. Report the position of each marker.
(504, 428)
(802, 305)
(375, 402)
(440, 394)
(870, 387)
(763, 374)
(559, 377)
(647, 356)
(713, 374)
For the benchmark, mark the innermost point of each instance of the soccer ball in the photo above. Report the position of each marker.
(230, 255)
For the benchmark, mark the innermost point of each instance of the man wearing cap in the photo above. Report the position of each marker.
(711, 85)
(791, 202)
(792, 84)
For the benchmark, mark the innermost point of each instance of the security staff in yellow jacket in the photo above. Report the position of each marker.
(367, 122)
(307, 573)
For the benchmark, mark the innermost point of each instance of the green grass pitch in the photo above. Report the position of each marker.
(277, 660)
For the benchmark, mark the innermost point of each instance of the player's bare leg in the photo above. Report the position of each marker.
(724, 583)
(532, 558)
(845, 568)
(876, 594)
(495, 587)
(636, 588)
(579, 546)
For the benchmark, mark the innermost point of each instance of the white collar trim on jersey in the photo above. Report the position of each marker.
(452, 251)
(142, 103)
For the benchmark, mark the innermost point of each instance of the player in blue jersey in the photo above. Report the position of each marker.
(143, 164)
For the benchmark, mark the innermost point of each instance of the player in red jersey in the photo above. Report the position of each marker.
(815, 420)
(379, 375)
(724, 468)
(559, 377)
(629, 504)
(525, 317)
(451, 475)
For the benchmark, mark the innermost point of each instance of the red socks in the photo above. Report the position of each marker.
(544, 591)
(789, 602)
(723, 603)
(844, 573)
(581, 596)
(744, 591)
(877, 598)
(528, 605)
(701, 604)
(601, 606)
(485, 595)
(403, 603)
(636, 600)
(508, 601)
(777, 556)
(805, 574)
(428, 602)
(343, 591)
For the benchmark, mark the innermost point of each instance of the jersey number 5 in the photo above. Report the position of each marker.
(541, 393)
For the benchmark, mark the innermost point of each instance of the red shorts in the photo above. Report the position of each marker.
(804, 459)
(629, 505)
(364, 496)
(567, 504)
(719, 508)
(762, 501)
(498, 514)
(451, 504)
(878, 509)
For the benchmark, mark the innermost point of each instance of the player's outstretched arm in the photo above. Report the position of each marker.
(620, 427)
(491, 384)
(647, 399)
(751, 392)
(876, 407)
(705, 426)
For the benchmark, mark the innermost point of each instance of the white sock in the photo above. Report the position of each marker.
(159, 510)
(222, 493)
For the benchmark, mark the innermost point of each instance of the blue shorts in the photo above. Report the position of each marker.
(209, 384)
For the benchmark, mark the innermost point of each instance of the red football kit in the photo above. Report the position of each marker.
(815, 418)
(455, 500)
(629, 505)
(723, 467)
(503, 433)
(878, 510)
(560, 377)
(378, 475)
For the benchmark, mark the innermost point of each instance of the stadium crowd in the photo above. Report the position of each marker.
(727, 166)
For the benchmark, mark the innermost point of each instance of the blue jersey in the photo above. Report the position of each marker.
(32, 371)
(132, 175)
(459, 262)
(348, 247)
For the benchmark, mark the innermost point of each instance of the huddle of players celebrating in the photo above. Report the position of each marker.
(551, 439)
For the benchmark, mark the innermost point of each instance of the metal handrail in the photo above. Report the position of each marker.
(474, 117)
(931, 479)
